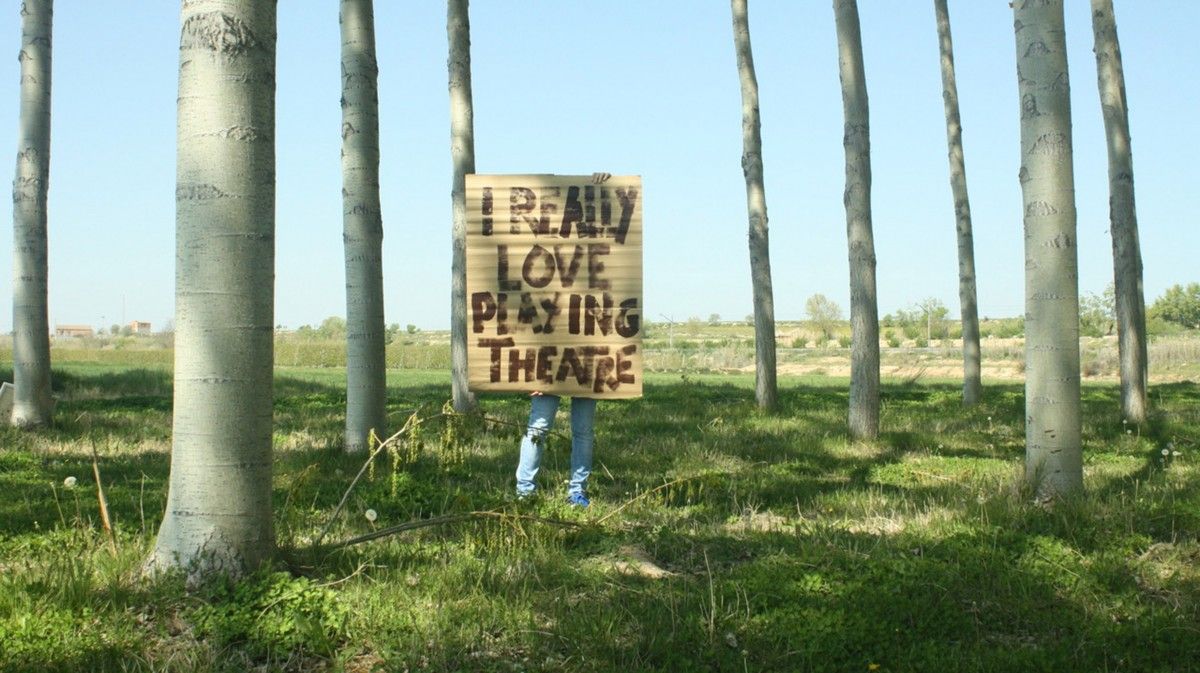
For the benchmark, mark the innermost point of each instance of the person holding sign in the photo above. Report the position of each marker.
(542, 409)
(541, 419)
(554, 288)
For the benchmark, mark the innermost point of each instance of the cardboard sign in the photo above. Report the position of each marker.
(554, 285)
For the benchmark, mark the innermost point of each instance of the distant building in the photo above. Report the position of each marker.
(73, 331)
(139, 327)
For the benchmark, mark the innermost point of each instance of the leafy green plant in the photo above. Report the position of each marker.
(271, 613)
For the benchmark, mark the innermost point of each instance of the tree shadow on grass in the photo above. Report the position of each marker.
(817, 599)
(913, 602)
(827, 596)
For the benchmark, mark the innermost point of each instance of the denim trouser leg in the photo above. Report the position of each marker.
(583, 416)
(541, 418)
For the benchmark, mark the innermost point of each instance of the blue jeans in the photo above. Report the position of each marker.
(541, 420)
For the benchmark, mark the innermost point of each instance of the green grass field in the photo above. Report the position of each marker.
(720, 539)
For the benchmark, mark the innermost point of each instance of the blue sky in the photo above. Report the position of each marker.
(646, 88)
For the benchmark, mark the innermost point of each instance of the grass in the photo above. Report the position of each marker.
(720, 539)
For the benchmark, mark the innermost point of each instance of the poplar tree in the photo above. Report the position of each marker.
(969, 308)
(864, 311)
(1127, 253)
(765, 389)
(362, 223)
(462, 156)
(32, 403)
(1053, 456)
(218, 514)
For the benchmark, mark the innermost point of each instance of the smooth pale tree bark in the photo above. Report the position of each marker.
(864, 311)
(972, 382)
(32, 403)
(1053, 457)
(218, 515)
(765, 389)
(1127, 253)
(362, 223)
(462, 156)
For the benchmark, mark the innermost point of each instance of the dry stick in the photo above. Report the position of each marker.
(141, 507)
(409, 425)
(447, 519)
(497, 421)
(639, 497)
(112, 539)
(363, 470)
(412, 422)
(933, 476)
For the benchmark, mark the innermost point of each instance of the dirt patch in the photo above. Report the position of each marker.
(760, 522)
(932, 370)
(635, 561)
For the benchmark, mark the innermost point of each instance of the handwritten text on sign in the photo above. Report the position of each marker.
(554, 284)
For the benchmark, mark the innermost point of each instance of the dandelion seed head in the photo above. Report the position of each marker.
(371, 515)
(1166, 452)
(69, 482)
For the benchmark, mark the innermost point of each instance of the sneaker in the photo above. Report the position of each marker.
(525, 496)
(578, 500)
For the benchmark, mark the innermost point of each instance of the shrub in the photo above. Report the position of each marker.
(1179, 304)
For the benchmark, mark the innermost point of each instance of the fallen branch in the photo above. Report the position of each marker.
(442, 521)
(104, 520)
(408, 425)
(643, 495)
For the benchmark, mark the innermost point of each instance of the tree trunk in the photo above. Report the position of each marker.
(462, 155)
(1127, 254)
(362, 221)
(972, 383)
(1053, 458)
(218, 515)
(864, 312)
(765, 389)
(32, 403)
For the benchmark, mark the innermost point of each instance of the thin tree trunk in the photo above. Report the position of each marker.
(32, 403)
(765, 389)
(362, 221)
(1127, 253)
(462, 155)
(972, 383)
(864, 312)
(218, 516)
(1053, 458)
